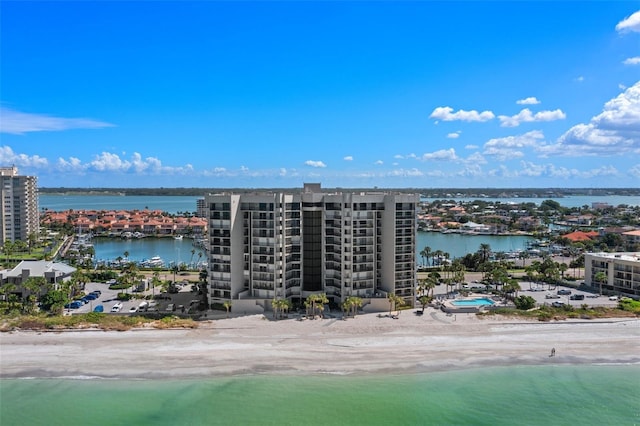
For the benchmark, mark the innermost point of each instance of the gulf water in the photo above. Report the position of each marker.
(526, 395)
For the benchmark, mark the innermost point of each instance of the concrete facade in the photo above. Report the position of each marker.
(622, 271)
(267, 245)
(19, 197)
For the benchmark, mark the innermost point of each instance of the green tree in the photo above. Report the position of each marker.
(425, 253)
(485, 252)
(354, 303)
(227, 305)
(524, 302)
(600, 278)
(424, 301)
(395, 302)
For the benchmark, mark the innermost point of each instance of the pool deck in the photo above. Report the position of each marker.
(448, 307)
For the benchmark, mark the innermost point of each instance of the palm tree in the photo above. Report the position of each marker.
(395, 301)
(354, 303)
(424, 301)
(193, 252)
(523, 255)
(485, 252)
(425, 253)
(600, 277)
(563, 268)
(227, 305)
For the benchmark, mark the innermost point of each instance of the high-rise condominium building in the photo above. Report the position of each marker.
(19, 205)
(268, 245)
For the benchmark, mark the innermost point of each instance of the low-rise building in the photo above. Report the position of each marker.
(622, 271)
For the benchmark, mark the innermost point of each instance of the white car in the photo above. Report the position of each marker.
(613, 297)
(117, 307)
(133, 309)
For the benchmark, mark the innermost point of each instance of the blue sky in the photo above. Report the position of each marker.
(349, 94)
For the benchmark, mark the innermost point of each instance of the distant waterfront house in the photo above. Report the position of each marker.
(632, 237)
(580, 236)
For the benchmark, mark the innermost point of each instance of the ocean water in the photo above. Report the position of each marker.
(531, 395)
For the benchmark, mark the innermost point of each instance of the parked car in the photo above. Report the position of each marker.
(117, 307)
(593, 296)
(133, 309)
(91, 296)
(171, 307)
(564, 292)
(557, 304)
(74, 305)
(98, 308)
(96, 292)
(551, 296)
(143, 306)
(577, 297)
(613, 297)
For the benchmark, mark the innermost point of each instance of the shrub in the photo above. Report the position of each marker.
(524, 302)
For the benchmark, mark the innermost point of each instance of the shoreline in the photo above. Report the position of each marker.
(361, 346)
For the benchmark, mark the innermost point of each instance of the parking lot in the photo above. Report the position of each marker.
(108, 299)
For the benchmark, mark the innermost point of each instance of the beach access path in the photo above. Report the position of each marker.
(366, 344)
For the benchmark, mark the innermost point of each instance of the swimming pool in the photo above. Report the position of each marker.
(480, 301)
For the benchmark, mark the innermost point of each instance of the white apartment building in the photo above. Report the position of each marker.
(268, 245)
(621, 269)
(19, 195)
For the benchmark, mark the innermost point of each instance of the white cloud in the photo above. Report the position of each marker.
(8, 157)
(398, 157)
(579, 79)
(405, 173)
(454, 135)
(615, 131)
(632, 61)
(441, 155)
(73, 164)
(379, 163)
(109, 162)
(447, 114)
(526, 116)
(348, 158)
(532, 100)
(312, 163)
(630, 24)
(475, 158)
(471, 147)
(511, 146)
(529, 169)
(17, 123)
(635, 171)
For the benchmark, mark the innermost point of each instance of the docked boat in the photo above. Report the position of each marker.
(154, 262)
(178, 237)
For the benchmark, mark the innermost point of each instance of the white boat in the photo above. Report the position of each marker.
(154, 262)
(178, 237)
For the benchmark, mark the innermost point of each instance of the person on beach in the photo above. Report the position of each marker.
(553, 352)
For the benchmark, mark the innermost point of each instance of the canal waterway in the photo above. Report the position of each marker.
(180, 251)
(140, 249)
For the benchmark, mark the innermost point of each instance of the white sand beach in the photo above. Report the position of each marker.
(361, 345)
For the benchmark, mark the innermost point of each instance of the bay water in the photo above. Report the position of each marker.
(524, 395)
(174, 204)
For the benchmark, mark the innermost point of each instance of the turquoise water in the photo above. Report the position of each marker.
(481, 301)
(539, 395)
